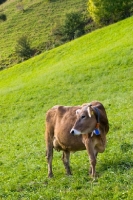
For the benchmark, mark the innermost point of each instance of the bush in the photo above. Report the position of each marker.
(3, 17)
(74, 23)
(23, 48)
(2, 1)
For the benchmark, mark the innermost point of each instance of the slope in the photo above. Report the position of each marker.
(96, 66)
(35, 19)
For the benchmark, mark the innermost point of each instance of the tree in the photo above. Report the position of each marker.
(109, 11)
(73, 25)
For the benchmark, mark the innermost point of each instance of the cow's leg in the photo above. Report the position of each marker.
(49, 150)
(66, 162)
(95, 154)
(90, 150)
(49, 155)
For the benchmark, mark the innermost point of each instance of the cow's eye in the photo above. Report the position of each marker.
(83, 116)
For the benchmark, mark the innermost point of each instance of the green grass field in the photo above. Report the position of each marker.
(98, 66)
(37, 22)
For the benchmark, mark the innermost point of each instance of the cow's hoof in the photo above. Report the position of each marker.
(70, 174)
(50, 176)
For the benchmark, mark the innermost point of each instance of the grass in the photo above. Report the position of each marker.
(37, 22)
(97, 66)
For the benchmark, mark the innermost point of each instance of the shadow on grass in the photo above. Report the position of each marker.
(121, 165)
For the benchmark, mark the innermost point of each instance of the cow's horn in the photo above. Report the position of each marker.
(89, 110)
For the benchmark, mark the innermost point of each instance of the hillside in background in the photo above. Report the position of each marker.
(35, 19)
(97, 66)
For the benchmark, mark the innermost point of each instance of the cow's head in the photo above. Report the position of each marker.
(86, 121)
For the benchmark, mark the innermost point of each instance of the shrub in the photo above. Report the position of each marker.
(2, 1)
(23, 48)
(73, 24)
(3, 17)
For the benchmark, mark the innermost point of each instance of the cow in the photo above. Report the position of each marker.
(76, 128)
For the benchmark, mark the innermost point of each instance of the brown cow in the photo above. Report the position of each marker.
(76, 128)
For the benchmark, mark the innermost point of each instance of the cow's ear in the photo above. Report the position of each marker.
(77, 111)
(89, 110)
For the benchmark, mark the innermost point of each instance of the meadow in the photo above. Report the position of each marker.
(97, 66)
(34, 18)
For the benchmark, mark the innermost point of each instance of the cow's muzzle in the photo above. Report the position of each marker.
(75, 132)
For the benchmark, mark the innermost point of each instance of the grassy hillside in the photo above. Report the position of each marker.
(98, 66)
(36, 21)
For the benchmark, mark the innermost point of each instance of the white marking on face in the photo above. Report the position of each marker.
(75, 132)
